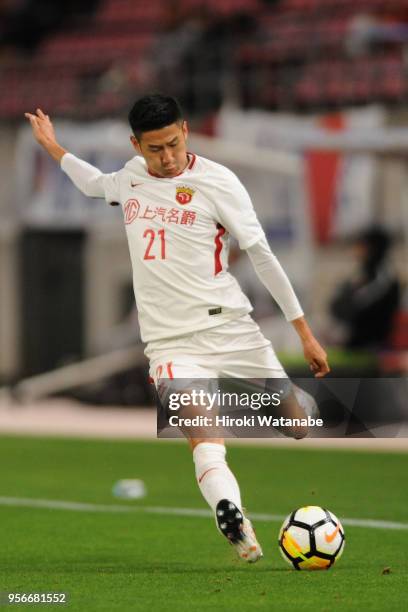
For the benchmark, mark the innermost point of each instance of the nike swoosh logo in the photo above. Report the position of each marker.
(330, 537)
(135, 184)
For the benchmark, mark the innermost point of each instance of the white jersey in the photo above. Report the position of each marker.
(178, 233)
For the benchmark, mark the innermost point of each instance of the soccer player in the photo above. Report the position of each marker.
(179, 210)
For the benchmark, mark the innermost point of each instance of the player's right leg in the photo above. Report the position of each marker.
(254, 359)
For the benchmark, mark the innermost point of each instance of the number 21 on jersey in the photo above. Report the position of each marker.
(153, 249)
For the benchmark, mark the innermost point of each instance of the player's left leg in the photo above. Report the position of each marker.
(220, 489)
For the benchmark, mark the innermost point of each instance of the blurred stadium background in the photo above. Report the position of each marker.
(307, 100)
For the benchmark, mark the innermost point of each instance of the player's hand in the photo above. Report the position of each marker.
(316, 356)
(44, 133)
(43, 129)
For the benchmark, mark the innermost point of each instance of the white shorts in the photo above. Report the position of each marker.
(236, 349)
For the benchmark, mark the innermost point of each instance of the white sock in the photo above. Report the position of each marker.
(215, 479)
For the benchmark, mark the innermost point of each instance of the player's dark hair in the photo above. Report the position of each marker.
(154, 112)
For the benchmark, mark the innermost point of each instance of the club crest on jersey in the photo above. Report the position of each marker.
(184, 194)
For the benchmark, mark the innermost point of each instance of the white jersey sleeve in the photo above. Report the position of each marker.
(236, 212)
(274, 278)
(90, 180)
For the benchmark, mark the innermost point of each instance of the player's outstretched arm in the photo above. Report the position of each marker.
(86, 177)
(274, 278)
(44, 133)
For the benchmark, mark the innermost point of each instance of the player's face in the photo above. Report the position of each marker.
(164, 150)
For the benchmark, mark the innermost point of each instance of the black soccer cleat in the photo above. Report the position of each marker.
(238, 530)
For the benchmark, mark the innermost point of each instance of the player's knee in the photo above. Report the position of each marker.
(300, 432)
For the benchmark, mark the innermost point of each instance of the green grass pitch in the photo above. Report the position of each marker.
(144, 561)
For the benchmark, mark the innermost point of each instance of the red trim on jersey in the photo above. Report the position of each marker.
(189, 166)
(218, 249)
(192, 162)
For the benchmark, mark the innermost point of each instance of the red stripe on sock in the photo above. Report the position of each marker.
(206, 472)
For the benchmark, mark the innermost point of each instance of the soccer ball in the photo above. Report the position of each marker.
(311, 538)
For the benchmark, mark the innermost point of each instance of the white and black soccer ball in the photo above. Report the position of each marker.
(311, 538)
